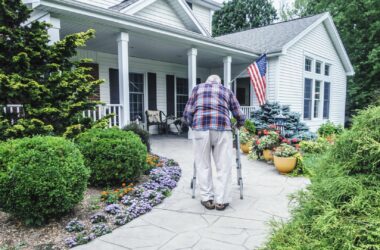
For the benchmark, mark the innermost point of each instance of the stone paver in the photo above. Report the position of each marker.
(182, 223)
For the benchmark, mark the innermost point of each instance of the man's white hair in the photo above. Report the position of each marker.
(214, 78)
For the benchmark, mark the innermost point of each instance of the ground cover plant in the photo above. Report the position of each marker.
(341, 207)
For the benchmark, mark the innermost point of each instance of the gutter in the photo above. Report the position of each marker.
(116, 18)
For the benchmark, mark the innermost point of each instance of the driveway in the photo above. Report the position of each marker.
(182, 223)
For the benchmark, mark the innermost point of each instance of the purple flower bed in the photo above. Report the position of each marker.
(142, 200)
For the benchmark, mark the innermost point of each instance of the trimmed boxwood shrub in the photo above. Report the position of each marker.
(144, 135)
(40, 178)
(113, 155)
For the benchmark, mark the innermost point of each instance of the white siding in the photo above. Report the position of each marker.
(101, 3)
(272, 76)
(161, 12)
(138, 65)
(203, 15)
(291, 77)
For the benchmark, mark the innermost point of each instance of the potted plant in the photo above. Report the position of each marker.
(267, 143)
(285, 158)
(245, 143)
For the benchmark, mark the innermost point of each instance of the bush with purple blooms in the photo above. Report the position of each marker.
(79, 239)
(74, 226)
(122, 219)
(113, 209)
(139, 207)
(97, 218)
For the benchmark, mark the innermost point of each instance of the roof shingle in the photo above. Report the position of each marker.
(270, 38)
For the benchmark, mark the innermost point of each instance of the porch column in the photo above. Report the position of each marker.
(227, 71)
(192, 68)
(192, 75)
(55, 23)
(123, 65)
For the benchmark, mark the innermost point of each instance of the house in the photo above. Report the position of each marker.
(151, 53)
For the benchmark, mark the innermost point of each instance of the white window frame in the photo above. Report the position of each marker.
(175, 91)
(317, 77)
(321, 67)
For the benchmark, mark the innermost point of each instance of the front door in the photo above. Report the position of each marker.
(243, 91)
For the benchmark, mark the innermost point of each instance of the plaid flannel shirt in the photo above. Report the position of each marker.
(209, 106)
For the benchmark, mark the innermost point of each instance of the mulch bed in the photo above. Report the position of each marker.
(149, 191)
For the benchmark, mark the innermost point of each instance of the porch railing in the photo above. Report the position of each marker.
(99, 112)
(247, 110)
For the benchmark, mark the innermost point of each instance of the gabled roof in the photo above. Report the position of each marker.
(131, 7)
(278, 37)
(124, 4)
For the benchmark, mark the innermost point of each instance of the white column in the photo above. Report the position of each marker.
(123, 65)
(192, 68)
(192, 74)
(227, 71)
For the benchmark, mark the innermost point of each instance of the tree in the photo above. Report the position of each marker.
(290, 11)
(238, 15)
(358, 24)
(52, 88)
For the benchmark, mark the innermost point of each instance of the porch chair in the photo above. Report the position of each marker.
(158, 118)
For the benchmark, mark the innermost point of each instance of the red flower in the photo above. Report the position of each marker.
(259, 133)
(257, 142)
(265, 132)
(273, 126)
(294, 140)
(285, 141)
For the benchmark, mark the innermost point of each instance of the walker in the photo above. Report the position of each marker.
(238, 168)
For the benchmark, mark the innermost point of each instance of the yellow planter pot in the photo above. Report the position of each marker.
(244, 148)
(267, 154)
(285, 164)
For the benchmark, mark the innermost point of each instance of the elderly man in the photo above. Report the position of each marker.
(208, 113)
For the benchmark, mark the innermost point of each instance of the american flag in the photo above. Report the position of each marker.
(257, 72)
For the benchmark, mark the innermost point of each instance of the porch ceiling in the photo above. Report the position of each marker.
(148, 45)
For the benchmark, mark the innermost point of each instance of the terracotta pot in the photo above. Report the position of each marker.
(267, 154)
(285, 165)
(244, 148)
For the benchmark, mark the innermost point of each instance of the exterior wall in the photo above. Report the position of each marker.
(203, 15)
(161, 12)
(138, 65)
(291, 75)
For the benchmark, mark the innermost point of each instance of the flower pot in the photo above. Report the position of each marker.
(267, 154)
(244, 148)
(285, 165)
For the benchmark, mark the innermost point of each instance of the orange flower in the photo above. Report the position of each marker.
(104, 193)
(123, 184)
(116, 190)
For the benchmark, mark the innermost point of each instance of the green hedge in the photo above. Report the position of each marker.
(142, 133)
(40, 178)
(113, 155)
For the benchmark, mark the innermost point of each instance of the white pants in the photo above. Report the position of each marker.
(221, 141)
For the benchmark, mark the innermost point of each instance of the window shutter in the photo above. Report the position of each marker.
(199, 81)
(170, 95)
(114, 86)
(94, 72)
(152, 91)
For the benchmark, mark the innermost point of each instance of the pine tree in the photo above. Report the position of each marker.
(53, 89)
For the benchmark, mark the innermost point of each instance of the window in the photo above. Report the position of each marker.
(307, 98)
(327, 69)
(326, 101)
(317, 98)
(136, 96)
(182, 95)
(318, 66)
(308, 64)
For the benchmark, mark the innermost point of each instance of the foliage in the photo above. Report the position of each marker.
(244, 136)
(113, 155)
(285, 150)
(112, 196)
(52, 88)
(340, 209)
(358, 26)
(100, 229)
(268, 141)
(75, 226)
(40, 178)
(144, 135)
(295, 9)
(250, 127)
(321, 145)
(113, 209)
(264, 118)
(237, 15)
(97, 218)
(329, 129)
(153, 161)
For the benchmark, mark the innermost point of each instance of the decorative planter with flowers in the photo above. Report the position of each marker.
(285, 158)
(267, 143)
(245, 142)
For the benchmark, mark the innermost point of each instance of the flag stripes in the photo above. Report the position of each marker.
(257, 72)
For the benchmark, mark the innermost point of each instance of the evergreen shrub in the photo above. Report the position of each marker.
(142, 133)
(40, 178)
(113, 155)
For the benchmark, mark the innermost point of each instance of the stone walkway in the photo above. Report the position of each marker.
(182, 223)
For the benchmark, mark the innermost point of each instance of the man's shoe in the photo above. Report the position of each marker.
(221, 207)
(208, 204)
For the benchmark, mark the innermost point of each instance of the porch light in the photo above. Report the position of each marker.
(279, 121)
